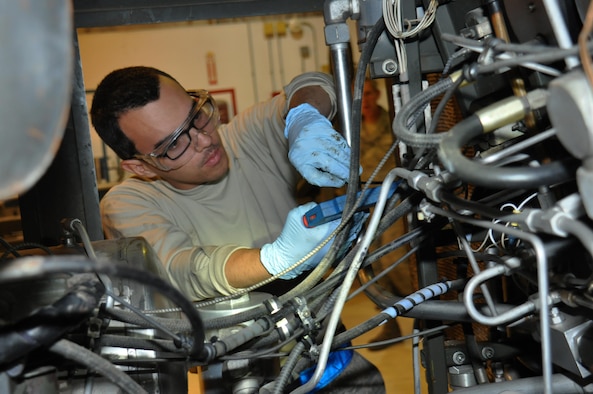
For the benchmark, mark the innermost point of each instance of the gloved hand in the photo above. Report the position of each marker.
(296, 241)
(315, 149)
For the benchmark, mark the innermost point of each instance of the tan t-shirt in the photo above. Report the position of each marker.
(195, 231)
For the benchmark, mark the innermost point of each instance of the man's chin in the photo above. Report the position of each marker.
(219, 178)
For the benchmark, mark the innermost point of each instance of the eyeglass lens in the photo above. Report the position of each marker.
(202, 120)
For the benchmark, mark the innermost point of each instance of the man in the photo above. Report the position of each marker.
(216, 202)
(212, 199)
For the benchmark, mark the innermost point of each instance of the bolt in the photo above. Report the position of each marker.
(487, 352)
(389, 66)
(556, 316)
(458, 358)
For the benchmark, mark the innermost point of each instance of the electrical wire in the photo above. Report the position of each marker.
(289, 365)
(505, 51)
(130, 342)
(49, 323)
(13, 249)
(392, 14)
(147, 318)
(76, 225)
(265, 350)
(399, 308)
(474, 264)
(416, 334)
(394, 22)
(137, 320)
(543, 57)
(337, 276)
(383, 273)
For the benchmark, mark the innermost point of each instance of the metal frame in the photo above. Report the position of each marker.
(127, 12)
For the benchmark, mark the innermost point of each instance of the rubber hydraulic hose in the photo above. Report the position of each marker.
(123, 341)
(485, 121)
(34, 267)
(241, 337)
(51, 322)
(401, 307)
(94, 362)
(288, 367)
(408, 112)
(179, 325)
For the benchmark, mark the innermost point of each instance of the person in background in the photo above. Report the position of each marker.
(376, 138)
(223, 110)
(216, 201)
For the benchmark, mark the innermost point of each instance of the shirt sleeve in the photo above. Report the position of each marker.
(134, 209)
(260, 128)
(323, 80)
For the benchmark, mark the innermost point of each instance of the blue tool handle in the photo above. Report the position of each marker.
(332, 209)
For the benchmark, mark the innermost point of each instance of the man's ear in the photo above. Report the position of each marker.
(137, 167)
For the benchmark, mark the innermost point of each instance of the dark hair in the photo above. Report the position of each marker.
(120, 91)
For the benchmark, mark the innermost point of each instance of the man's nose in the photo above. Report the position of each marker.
(201, 140)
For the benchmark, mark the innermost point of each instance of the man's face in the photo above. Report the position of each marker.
(205, 160)
(369, 96)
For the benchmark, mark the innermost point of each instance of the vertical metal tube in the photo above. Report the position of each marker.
(337, 37)
(561, 33)
(340, 54)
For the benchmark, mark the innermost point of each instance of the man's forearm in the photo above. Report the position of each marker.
(244, 268)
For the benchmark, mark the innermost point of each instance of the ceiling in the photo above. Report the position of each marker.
(101, 13)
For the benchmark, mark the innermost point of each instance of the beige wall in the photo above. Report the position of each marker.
(253, 56)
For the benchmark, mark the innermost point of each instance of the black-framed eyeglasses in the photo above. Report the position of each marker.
(203, 117)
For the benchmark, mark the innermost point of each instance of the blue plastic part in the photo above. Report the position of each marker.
(332, 209)
(336, 362)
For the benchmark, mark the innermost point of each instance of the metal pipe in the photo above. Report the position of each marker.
(337, 37)
(340, 56)
(561, 33)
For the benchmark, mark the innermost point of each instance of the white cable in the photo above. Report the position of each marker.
(393, 19)
(351, 275)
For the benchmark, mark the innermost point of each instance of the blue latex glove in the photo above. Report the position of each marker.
(315, 149)
(296, 241)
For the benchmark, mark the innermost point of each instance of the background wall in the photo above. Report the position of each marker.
(253, 57)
